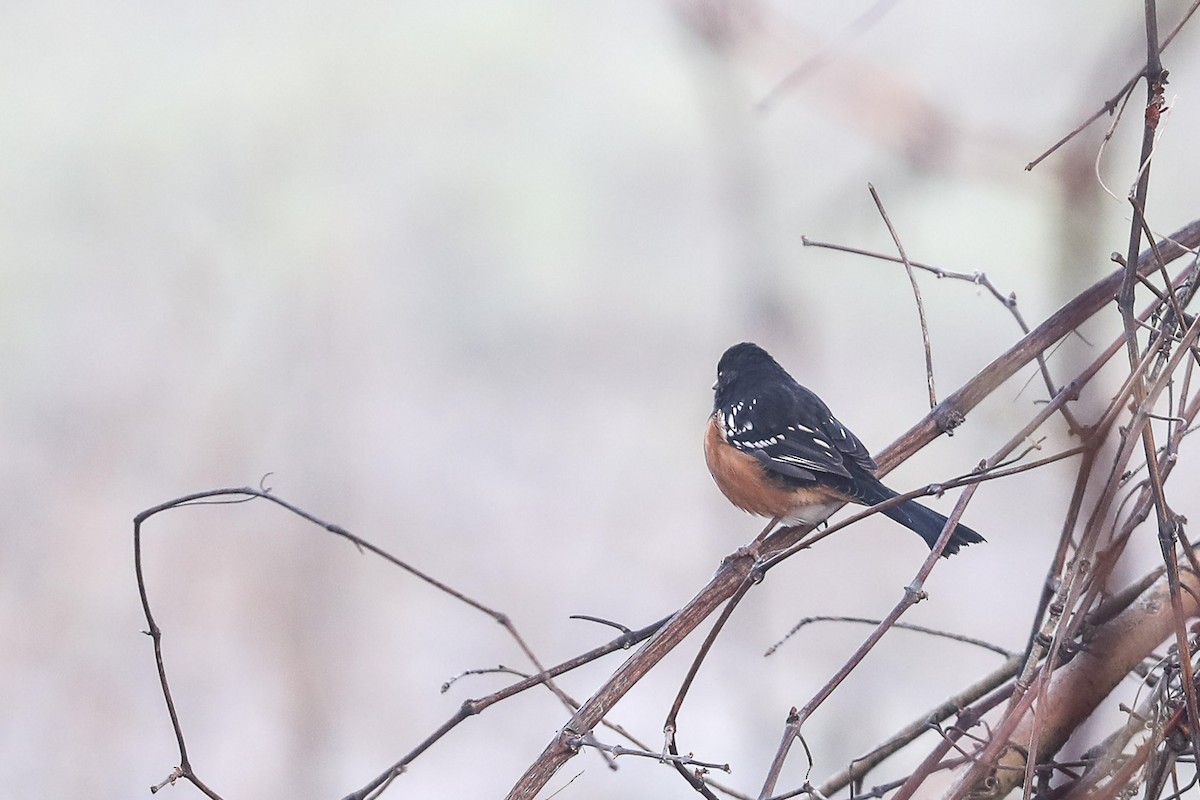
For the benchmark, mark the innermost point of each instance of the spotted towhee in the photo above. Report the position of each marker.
(775, 450)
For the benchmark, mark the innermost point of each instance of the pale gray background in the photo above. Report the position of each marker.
(458, 274)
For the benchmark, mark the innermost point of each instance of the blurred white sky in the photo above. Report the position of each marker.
(458, 274)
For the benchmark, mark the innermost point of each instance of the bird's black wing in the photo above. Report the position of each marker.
(792, 434)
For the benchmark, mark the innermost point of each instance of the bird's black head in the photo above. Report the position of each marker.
(740, 368)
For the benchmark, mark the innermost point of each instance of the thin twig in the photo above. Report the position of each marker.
(979, 278)
(617, 750)
(670, 725)
(908, 626)
(912, 280)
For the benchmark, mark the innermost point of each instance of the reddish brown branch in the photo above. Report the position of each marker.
(1076, 689)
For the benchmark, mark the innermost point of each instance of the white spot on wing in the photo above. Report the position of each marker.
(732, 425)
(800, 461)
(761, 443)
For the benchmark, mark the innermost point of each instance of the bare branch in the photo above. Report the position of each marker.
(916, 290)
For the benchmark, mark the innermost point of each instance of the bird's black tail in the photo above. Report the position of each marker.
(925, 522)
(928, 525)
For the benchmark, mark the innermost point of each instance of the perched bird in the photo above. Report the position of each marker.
(775, 450)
